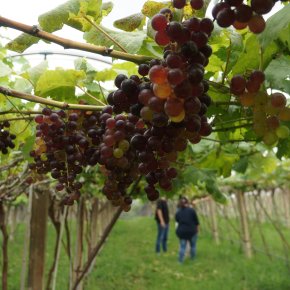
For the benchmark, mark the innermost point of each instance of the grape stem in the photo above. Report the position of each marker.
(91, 96)
(233, 127)
(217, 103)
(231, 121)
(67, 43)
(17, 119)
(21, 112)
(48, 102)
(105, 33)
(227, 62)
(229, 141)
(219, 86)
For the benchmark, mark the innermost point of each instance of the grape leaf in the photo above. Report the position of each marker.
(131, 41)
(248, 59)
(275, 25)
(23, 85)
(150, 8)
(129, 23)
(242, 165)
(278, 73)
(22, 42)
(5, 70)
(59, 84)
(34, 73)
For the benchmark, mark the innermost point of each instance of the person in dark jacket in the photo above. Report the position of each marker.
(187, 229)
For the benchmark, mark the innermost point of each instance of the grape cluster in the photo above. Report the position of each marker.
(268, 111)
(6, 139)
(241, 15)
(64, 144)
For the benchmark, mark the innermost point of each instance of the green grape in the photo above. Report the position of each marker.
(283, 132)
(118, 153)
(270, 138)
(124, 145)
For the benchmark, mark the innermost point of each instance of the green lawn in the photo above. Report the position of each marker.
(128, 262)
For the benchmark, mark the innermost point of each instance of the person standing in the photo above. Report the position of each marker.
(187, 229)
(162, 219)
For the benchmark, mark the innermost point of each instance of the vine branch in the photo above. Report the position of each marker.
(67, 43)
(49, 102)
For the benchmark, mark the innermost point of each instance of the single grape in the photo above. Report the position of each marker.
(257, 24)
(159, 22)
(196, 4)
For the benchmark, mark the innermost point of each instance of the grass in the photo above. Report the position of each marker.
(128, 262)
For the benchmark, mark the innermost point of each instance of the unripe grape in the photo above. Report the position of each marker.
(178, 118)
(270, 138)
(283, 132)
(118, 153)
(162, 91)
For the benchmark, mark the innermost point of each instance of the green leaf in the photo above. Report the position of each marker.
(203, 178)
(278, 73)
(250, 59)
(54, 19)
(275, 25)
(83, 64)
(107, 8)
(23, 85)
(242, 165)
(22, 42)
(5, 70)
(34, 73)
(129, 23)
(126, 68)
(59, 84)
(27, 147)
(150, 8)
(131, 41)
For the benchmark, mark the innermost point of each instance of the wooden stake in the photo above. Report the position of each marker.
(213, 217)
(38, 223)
(244, 224)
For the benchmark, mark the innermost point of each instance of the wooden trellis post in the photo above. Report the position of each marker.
(213, 217)
(286, 200)
(38, 224)
(247, 246)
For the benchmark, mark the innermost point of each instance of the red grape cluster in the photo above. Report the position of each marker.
(6, 139)
(241, 15)
(167, 106)
(64, 144)
(268, 111)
